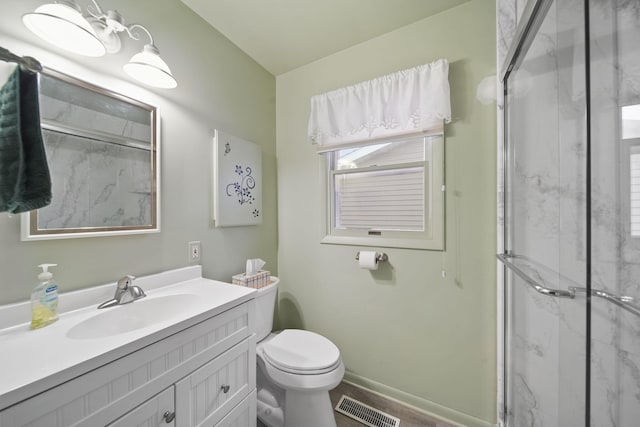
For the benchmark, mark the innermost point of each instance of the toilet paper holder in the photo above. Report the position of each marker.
(380, 257)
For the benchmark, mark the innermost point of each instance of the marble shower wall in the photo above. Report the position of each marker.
(97, 183)
(547, 340)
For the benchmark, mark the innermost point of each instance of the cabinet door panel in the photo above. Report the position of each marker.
(150, 413)
(243, 415)
(204, 397)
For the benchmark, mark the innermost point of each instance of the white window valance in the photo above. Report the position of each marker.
(405, 102)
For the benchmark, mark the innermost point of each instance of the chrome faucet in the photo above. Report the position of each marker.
(126, 292)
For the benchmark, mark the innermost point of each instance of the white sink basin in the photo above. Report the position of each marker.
(129, 317)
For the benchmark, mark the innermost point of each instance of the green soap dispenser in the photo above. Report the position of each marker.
(44, 299)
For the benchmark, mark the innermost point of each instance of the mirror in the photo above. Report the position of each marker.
(102, 150)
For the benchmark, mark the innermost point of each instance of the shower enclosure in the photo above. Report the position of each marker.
(571, 230)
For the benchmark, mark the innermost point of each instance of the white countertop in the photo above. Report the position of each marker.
(32, 361)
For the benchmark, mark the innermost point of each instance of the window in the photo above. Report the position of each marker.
(387, 194)
(634, 191)
(631, 136)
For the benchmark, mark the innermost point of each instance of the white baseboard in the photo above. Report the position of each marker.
(432, 409)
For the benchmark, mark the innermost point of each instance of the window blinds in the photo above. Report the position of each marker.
(381, 200)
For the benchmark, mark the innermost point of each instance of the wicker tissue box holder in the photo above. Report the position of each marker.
(260, 279)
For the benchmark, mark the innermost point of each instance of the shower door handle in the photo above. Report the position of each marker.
(559, 293)
(624, 302)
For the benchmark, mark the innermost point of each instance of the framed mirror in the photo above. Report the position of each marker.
(103, 155)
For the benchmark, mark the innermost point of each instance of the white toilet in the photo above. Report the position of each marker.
(296, 370)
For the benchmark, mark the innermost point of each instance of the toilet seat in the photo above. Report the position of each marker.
(301, 352)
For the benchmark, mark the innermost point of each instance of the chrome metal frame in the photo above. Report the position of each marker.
(531, 19)
(66, 129)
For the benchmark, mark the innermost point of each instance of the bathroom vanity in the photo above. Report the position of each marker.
(182, 356)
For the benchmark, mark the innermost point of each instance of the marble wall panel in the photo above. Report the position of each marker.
(95, 183)
(505, 28)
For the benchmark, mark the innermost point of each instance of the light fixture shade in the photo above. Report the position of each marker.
(63, 25)
(147, 67)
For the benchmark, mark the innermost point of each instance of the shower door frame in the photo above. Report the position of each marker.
(530, 22)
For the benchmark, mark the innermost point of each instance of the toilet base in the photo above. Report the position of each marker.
(309, 409)
(292, 408)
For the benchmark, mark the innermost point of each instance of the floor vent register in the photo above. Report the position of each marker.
(365, 414)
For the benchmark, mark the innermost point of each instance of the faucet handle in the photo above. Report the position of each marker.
(137, 292)
(125, 282)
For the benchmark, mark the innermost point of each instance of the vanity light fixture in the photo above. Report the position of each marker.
(63, 25)
(96, 33)
(147, 66)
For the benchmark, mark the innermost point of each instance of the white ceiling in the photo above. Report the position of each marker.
(282, 35)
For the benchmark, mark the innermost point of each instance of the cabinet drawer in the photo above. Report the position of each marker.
(243, 415)
(150, 413)
(100, 396)
(209, 393)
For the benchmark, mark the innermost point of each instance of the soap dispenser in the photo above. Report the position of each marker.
(44, 299)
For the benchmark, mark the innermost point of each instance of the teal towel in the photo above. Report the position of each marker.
(25, 183)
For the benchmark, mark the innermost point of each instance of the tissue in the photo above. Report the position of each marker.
(254, 276)
(253, 266)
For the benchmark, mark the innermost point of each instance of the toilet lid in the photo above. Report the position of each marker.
(295, 350)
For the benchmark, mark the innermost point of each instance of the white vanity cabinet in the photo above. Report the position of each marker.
(203, 374)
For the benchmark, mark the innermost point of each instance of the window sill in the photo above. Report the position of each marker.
(383, 242)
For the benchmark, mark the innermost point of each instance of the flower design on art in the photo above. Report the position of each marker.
(227, 148)
(256, 213)
(242, 188)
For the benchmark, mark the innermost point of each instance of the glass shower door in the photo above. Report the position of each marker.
(615, 212)
(546, 247)
(572, 216)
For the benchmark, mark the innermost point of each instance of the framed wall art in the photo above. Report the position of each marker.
(237, 181)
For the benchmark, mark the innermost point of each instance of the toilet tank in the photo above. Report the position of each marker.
(265, 306)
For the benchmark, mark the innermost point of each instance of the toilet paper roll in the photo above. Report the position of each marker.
(368, 260)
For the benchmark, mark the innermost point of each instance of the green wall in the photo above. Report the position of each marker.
(218, 87)
(404, 330)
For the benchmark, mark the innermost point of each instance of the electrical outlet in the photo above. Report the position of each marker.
(194, 253)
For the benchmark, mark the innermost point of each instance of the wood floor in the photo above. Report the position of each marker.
(408, 417)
